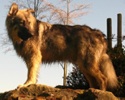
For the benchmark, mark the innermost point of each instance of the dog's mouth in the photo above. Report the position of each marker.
(24, 33)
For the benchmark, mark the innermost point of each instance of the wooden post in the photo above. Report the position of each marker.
(65, 74)
(65, 63)
(119, 31)
(109, 33)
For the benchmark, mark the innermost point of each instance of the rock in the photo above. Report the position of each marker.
(43, 92)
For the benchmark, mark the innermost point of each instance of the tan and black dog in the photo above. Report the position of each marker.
(40, 42)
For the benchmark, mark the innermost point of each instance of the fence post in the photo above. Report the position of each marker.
(119, 31)
(109, 33)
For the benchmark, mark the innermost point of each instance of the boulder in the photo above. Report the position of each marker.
(43, 92)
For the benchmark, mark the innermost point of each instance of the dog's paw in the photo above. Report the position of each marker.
(21, 86)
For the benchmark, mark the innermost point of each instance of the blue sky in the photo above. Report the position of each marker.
(13, 70)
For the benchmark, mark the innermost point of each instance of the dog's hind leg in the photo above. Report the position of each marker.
(94, 76)
(91, 80)
(99, 78)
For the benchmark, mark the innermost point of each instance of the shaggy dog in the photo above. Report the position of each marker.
(80, 45)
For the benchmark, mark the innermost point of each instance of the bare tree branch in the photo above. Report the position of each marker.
(66, 16)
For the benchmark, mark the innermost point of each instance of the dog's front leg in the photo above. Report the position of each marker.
(33, 65)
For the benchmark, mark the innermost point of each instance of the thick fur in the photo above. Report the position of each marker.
(38, 42)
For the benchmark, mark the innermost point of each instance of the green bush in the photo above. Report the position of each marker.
(118, 59)
(76, 80)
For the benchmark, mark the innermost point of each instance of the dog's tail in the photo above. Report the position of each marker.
(108, 70)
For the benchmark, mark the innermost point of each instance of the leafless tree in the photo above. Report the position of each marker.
(65, 12)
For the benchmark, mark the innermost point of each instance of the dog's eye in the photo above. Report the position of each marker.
(22, 22)
(29, 22)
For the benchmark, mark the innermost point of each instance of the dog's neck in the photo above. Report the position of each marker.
(42, 28)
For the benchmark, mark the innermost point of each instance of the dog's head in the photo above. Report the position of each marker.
(21, 21)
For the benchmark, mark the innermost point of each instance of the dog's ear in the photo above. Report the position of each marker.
(13, 9)
(31, 11)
